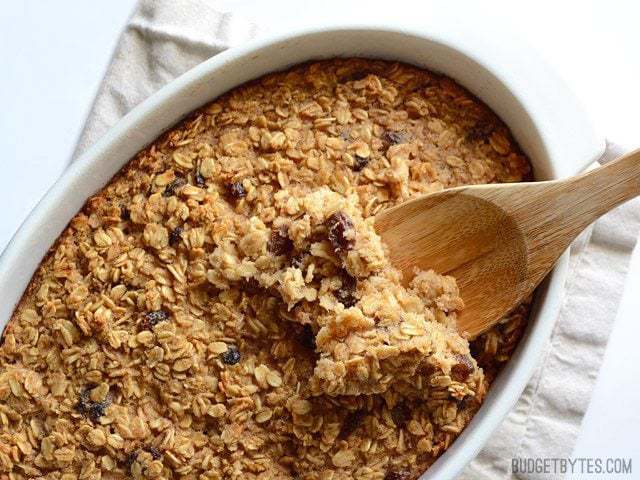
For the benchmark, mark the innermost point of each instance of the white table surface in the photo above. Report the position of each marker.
(55, 53)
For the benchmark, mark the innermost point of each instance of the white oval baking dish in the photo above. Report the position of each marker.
(542, 114)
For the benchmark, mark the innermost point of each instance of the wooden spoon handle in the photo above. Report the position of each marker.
(557, 211)
(602, 189)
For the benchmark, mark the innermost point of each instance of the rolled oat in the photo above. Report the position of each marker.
(223, 308)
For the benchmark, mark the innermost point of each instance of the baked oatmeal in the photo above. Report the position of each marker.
(224, 309)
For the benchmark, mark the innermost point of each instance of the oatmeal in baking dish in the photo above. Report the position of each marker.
(224, 309)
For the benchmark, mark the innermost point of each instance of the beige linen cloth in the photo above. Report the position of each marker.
(163, 39)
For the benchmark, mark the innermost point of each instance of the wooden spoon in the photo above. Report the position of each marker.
(500, 240)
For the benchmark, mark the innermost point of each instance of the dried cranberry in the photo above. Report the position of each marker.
(151, 319)
(200, 181)
(398, 475)
(359, 163)
(400, 414)
(351, 422)
(174, 236)
(341, 232)
(346, 294)
(170, 189)
(461, 370)
(280, 243)
(235, 190)
(231, 356)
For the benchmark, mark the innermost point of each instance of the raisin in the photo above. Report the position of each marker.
(466, 403)
(280, 243)
(359, 163)
(392, 138)
(83, 402)
(200, 182)
(351, 422)
(346, 298)
(125, 214)
(298, 260)
(155, 453)
(90, 409)
(346, 294)
(231, 356)
(251, 286)
(398, 475)
(174, 235)
(354, 76)
(480, 131)
(400, 414)
(306, 337)
(151, 319)
(341, 232)
(235, 190)
(132, 457)
(95, 411)
(461, 370)
(170, 189)
(476, 348)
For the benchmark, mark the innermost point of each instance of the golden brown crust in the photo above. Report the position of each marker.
(224, 309)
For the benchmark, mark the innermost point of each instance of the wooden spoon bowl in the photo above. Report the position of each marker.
(500, 240)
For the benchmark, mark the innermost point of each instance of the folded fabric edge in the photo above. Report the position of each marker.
(523, 435)
(184, 22)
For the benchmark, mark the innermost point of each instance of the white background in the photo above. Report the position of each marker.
(55, 53)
